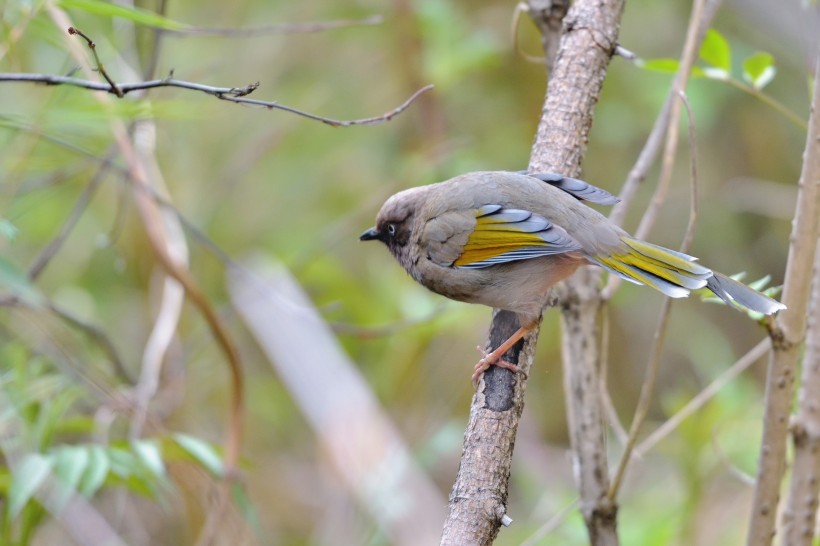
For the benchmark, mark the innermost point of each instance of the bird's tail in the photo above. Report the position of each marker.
(676, 274)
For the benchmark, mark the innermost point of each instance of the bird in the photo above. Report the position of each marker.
(503, 239)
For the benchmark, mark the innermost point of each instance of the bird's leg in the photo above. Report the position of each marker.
(494, 358)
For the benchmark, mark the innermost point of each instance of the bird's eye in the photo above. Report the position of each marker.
(391, 229)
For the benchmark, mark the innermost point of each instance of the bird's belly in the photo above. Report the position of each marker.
(521, 287)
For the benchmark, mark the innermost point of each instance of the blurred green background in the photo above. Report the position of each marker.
(258, 181)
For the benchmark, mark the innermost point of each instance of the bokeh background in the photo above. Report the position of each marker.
(268, 183)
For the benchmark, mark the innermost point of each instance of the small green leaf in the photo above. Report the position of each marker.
(667, 66)
(716, 52)
(16, 282)
(759, 69)
(122, 462)
(69, 466)
(27, 479)
(136, 15)
(149, 453)
(95, 472)
(8, 230)
(202, 452)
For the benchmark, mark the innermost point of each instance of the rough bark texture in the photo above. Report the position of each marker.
(478, 498)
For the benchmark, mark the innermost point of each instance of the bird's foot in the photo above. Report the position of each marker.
(492, 359)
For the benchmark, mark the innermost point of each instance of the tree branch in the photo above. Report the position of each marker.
(477, 502)
(236, 95)
(787, 331)
(799, 518)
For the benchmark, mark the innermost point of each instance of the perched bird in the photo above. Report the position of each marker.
(503, 239)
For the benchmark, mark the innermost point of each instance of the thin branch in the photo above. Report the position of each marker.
(775, 105)
(606, 399)
(703, 397)
(51, 249)
(99, 336)
(702, 15)
(650, 379)
(100, 68)
(231, 94)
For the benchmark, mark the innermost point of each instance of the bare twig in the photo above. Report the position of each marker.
(703, 397)
(230, 94)
(787, 331)
(606, 399)
(653, 143)
(100, 68)
(650, 378)
(800, 515)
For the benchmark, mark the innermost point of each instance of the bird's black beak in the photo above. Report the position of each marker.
(370, 234)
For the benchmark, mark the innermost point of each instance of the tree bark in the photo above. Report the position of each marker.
(478, 498)
(787, 333)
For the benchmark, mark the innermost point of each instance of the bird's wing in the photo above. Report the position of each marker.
(492, 235)
(583, 191)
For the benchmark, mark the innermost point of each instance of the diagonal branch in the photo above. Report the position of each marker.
(478, 498)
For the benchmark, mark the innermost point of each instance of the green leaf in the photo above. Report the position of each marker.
(122, 462)
(8, 230)
(667, 66)
(759, 69)
(716, 52)
(149, 453)
(202, 452)
(137, 15)
(27, 478)
(16, 282)
(95, 472)
(69, 467)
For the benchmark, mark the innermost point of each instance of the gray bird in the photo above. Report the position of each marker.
(503, 239)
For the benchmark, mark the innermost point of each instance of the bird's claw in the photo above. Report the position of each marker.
(492, 359)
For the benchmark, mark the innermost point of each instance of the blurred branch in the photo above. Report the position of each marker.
(230, 94)
(282, 28)
(800, 516)
(651, 374)
(548, 16)
(787, 331)
(606, 399)
(99, 336)
(151, 216)
(772, 103)
(53, 246)
(364, 447)
(698, 25)
(703, 397)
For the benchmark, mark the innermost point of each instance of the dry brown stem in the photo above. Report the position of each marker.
(787, 331)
